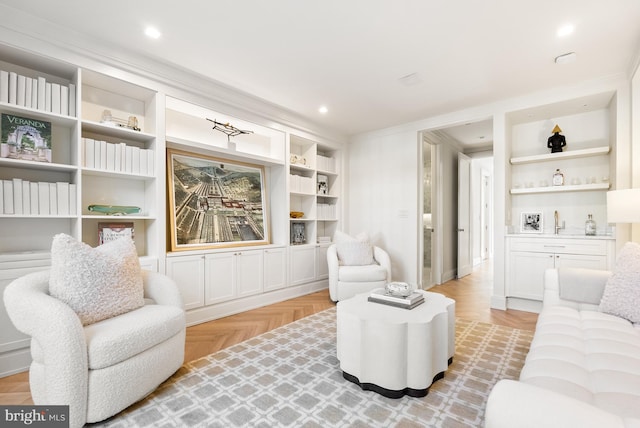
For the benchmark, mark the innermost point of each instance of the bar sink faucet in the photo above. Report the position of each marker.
(557, 226)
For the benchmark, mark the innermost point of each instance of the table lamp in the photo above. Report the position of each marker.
(623, 206)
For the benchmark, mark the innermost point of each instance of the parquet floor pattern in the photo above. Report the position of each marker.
(472, 294)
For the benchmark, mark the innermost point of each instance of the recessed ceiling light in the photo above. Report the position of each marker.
(323, 109)
(566, 58)
(565, 30)
(152, 32)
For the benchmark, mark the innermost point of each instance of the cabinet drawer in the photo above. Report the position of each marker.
(560, 245)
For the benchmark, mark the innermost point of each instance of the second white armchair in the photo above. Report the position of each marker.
(347, 280)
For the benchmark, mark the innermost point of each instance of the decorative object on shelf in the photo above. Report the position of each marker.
(228, 129)
(108, 232)
(298, 234)
(296, 214)
(25, 139)
(215, 202)
(401, 289)
(298, 160)
(557, 141)
(130, 123)
(114, 209)
(410, 301)
(558, 178)
(323, 185)
(590, 226)
(531, 222)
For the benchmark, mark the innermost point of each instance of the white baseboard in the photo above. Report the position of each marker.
(232, 307)
(499, 302)
(15, 361)
(524, 305)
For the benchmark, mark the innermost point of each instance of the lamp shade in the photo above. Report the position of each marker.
(623, 206)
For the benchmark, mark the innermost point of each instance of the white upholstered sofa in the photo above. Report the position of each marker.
(583, 367)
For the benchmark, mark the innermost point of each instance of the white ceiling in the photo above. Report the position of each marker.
(351, 55)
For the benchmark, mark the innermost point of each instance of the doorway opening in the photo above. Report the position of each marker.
(440, 205)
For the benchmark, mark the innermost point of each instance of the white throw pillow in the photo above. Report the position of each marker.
(352, 251)
(97, 283)
(621, 295)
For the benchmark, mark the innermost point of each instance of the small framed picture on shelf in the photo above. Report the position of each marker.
(531, 222)
(108, 232)
(323, 185)
(298, 234)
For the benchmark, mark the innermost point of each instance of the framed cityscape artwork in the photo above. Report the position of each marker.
(215, 202)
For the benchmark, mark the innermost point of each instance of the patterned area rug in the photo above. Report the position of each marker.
(290, 377)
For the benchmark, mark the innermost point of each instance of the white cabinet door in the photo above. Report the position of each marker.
(249, 272)
(581, 261)
(302, 261)
(188, 273)
(322, 267)
(220, 278)
(526, 274)
(275, 269)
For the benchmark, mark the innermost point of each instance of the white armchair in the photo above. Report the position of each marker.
(346, 281)
(104, 367)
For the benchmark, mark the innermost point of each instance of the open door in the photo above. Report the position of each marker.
(465, 253)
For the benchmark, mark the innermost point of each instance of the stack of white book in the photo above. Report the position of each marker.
(380, 295)
(37, 93)
(23, 197)
(118, 157)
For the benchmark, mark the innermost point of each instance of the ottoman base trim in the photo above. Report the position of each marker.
(394, 393)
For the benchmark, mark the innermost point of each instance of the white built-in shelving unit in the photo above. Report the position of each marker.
(105, 164)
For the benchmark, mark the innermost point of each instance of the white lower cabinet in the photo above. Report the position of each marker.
(528, 258)
(207, 279)
(275, 273)
(188, 273)
(219, 278)
(322, 267)
(302, 264)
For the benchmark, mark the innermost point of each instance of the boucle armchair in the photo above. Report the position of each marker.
(101, 368)
(347, 280)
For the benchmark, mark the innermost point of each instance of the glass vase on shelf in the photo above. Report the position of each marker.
(558, 178)
(590, 226)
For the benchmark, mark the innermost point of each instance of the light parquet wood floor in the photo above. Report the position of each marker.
(472, 294)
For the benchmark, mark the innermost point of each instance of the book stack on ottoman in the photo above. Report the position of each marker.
(381, 295)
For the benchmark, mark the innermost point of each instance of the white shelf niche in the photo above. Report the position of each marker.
(187, 124)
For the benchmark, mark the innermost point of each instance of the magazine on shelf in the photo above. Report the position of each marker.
(24, 138)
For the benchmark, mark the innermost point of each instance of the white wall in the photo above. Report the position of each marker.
(383, 197)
